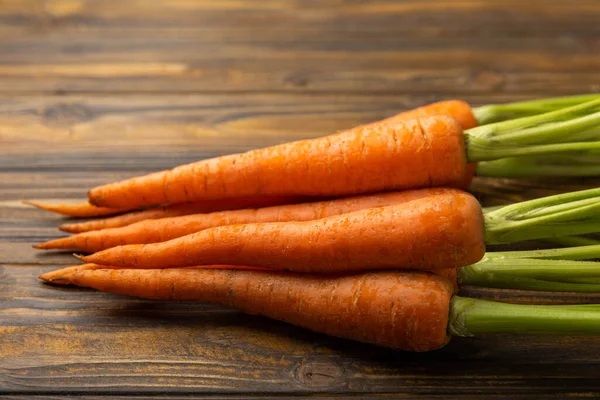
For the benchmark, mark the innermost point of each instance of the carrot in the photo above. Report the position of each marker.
(80, 210)
(414, 153)
(412, 311)
(177, 210)
(393, 309)
(439, 231)
(411, 154)
(159, 230)
(63, 276)
(459, 110)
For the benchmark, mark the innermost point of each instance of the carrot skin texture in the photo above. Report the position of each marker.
(459, 110)
(400, 310)
(63, 276)
(410, 154)
(80, 210)
(159, 230)
(175, 210)
(439, 231)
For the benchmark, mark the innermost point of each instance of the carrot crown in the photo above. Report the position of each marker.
(568, 130)
(574, 213)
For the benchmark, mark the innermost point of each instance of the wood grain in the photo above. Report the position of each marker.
(402, 47)
(92, 91)
(61, 339)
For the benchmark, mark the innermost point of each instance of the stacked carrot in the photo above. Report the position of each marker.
(237, 230)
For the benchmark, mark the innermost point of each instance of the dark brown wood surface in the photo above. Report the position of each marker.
(93, 91)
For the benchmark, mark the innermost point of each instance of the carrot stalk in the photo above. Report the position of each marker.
(440, 231)
(534, 274)
(573, 213)
(79, 210)
(159, 230)
(578, 252)
(178, 210)
(551, 270)
(573, 241)
(501, 112)
(583, 163)
(470, 317)
(564, 130)
(414, 153)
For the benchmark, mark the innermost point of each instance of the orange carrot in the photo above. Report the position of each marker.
(177, 210)
(438, 231)
(160, 230)
(457, 109)
(63, 276)
(416, 153)
(81, 210)
(401, 310)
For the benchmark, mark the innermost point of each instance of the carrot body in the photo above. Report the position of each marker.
(439, 231)
(457, 109)
(401, 310)
(80, 210)
(63, 276)
(409, 154)
(177, 210)
(159, 230)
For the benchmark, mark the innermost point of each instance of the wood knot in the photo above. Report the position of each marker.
(66, 114)
(297, 80)
(320, 374)
(484, 80)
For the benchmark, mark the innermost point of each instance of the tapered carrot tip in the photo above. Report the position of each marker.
(60, 243)
(34, 204)
(55, 278)
(58, 277)
(69, 228)
(64, 276)
(80, 256)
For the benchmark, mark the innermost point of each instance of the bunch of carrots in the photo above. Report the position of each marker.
(365, 234)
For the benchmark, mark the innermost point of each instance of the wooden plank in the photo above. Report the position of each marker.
(116, 133)
(379, 47)
(57, 340)
(327, 396)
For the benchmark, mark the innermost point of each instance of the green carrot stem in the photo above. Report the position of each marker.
(547, 270)
(564, 130)
(583, 279)
(552, 270)
(573, 241)
(577, 163)
(586, 285)
(574, 213)
(499, 112)
(583, 252)
(470, 317)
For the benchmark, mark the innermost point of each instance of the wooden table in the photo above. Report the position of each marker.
(94, 91)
